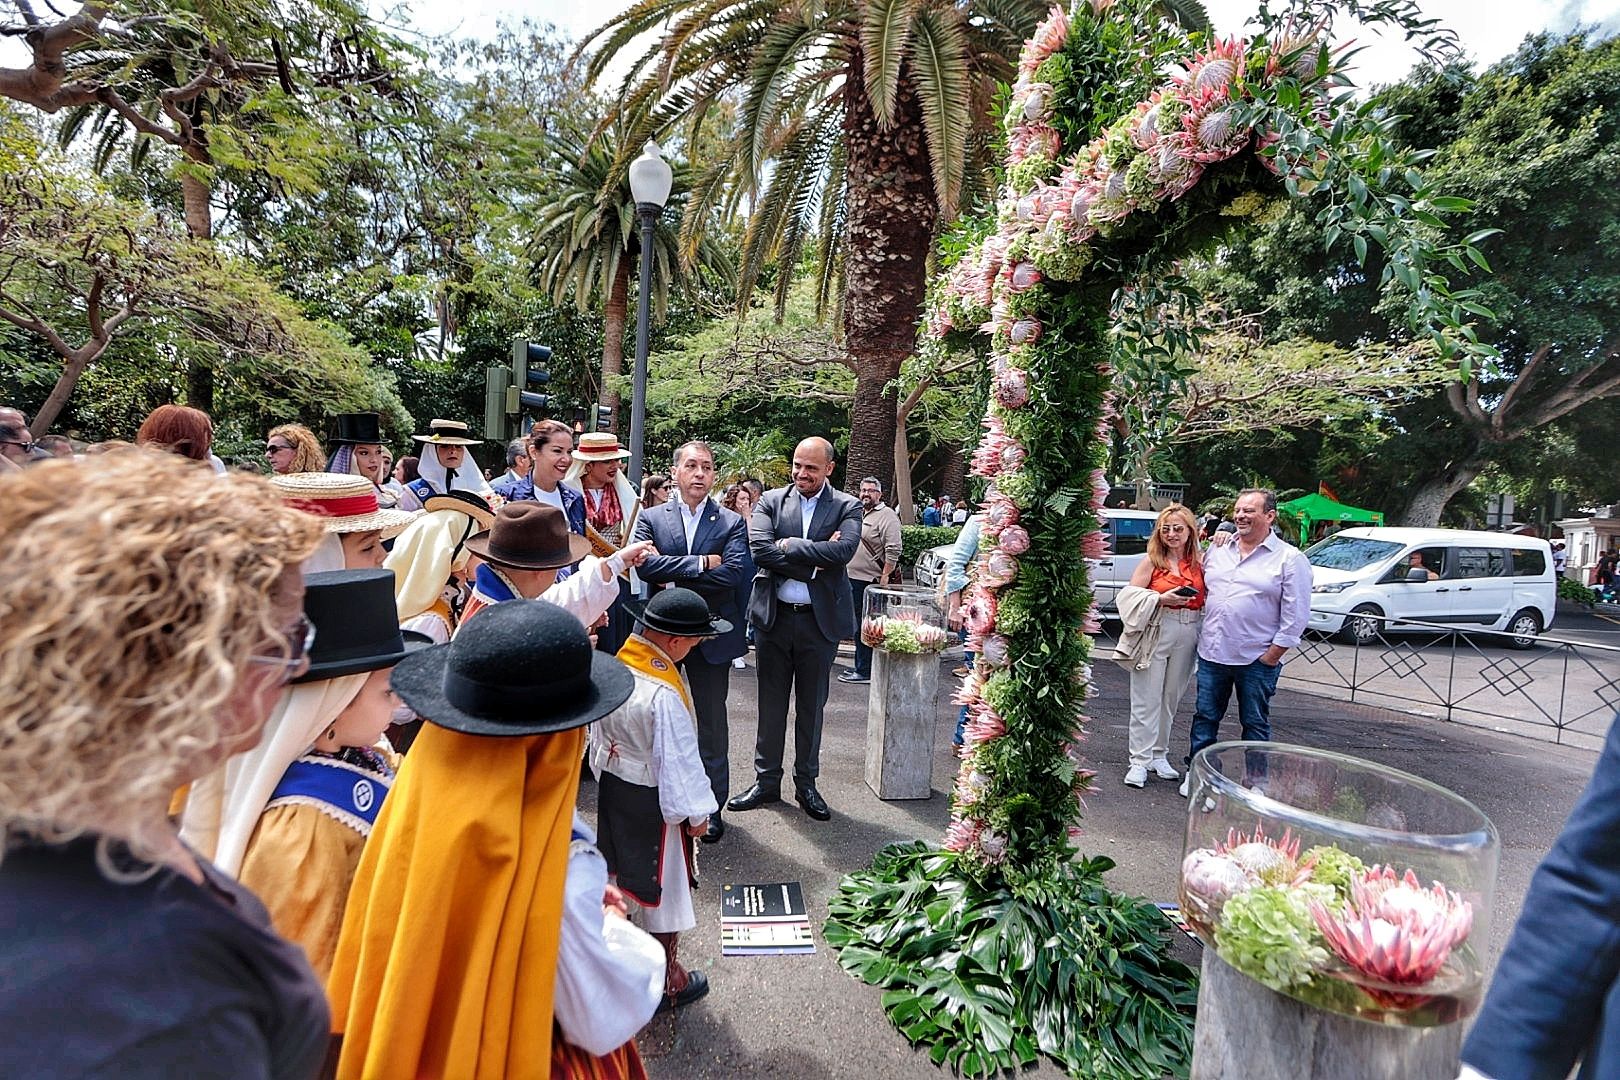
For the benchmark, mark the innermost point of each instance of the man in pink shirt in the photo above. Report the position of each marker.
(1257, 603)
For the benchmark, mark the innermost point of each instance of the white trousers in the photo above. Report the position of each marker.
(1156, 690)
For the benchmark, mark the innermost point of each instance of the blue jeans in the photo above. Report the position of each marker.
(961, 717)
(1255, 683)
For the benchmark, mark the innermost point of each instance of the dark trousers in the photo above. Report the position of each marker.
(863, 651)
(792, 657)
(620, 624)
(710, 683)
(1254, 682)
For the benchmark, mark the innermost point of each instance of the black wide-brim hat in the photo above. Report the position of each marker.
(524, 667)
(357, 428)
(680, 612)
(356, 624)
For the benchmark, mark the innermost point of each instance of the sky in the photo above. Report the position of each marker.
(1489, 29)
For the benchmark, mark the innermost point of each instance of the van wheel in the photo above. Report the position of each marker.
(1525, 626)
(1362, 626)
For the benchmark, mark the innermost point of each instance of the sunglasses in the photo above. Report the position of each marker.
(300, 639)
(276, 448)
(27, 447)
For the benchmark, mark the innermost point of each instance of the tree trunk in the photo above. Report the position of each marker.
(197, 200)
(1429, 501)
(953, 477)
(890, 217)
(614, 317)
(72, 370)
(904, 503)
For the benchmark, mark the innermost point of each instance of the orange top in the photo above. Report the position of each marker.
(1191, 572)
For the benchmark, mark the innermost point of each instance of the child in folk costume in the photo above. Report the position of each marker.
(289, 817)
(429, 559)
(611, 508)
(654, 796)
(482, 940)
(520, 557)
(356, 523)
(357, 450)
(444, 467)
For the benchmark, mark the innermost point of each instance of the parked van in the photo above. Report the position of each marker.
(1128, 533)
(1480, 580)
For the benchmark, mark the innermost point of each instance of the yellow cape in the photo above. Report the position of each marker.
(447, 959)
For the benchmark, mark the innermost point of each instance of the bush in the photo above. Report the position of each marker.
(1569, 589)
(916, 539)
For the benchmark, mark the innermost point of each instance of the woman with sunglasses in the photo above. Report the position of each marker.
(1162, 610)
(289, 818)
(656, 490)
(152, 620)
(293, 448)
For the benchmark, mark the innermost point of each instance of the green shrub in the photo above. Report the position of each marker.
(916, 539)
(1569, 589)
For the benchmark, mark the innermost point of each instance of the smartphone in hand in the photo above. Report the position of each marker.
(1186, 590)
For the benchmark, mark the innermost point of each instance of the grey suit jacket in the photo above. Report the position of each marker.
(818, 560)
(719, 532)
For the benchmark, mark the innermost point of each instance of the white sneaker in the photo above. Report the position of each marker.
(1136, 776)
(1182, 790)
(1164, 770)
(738, 663)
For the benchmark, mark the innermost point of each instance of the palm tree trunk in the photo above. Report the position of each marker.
(890, 218)
(614, 318)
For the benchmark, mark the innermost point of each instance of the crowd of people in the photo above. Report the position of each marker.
(251, 797)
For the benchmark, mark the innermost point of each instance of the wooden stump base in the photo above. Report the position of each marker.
(900, 722)
(1246, 1030)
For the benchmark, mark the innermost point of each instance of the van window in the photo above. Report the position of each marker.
(1473, 562)
(1528, 562)
(1432, 559)
(1130, 535)
(1341, 552)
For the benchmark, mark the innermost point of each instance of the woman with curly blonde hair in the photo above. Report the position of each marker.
(293, 448)
(151, 620)
(1162, 610)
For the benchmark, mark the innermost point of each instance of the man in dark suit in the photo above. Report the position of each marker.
(702, 546)
(801, 537)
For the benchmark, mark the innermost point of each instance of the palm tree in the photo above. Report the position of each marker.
(586, 244)
(864, 125)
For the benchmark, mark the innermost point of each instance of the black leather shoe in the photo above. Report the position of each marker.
(717, 829)
(753, 798)
(697, 984)
(813, 803)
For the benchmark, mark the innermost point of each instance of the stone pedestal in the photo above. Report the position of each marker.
(900, 723)
(1247, 1030)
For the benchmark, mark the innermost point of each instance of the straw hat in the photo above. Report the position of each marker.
(464, 502)
(599, 446)
(447, 433)
(346, 502)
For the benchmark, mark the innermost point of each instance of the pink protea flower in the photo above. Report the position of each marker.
(939, 322)
(1049, 38)
(1024, 331)
(1001, 514)
(1211, 124)
(1011, 388)
(987, 458)
(1094, 545)
(967, 693)
(1099, 487)
(983, 725)
(1023, 276)
(1033, 140)
(993, 846)
(1014, 540)
(1393, 929)
(1175, 171)
(999, 569)
(1215, 69)
(970, 787)
(963, 835)
(994, 652)
(1287, 845)
(979, 612)
(1034, 101)
(1012, 456)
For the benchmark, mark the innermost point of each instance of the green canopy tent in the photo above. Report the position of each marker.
(1316, 509)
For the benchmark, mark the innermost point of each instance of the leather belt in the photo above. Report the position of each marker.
(794, 607)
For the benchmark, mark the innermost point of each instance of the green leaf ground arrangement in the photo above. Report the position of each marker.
(1129, 144)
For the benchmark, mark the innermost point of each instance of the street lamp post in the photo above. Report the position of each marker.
(650, 181)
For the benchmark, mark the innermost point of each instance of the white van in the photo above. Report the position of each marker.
(1479, 580)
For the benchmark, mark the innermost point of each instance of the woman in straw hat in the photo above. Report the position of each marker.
(611, 508)
(293, 448)
(289, 817)
(481, 939)
(356, 524)
(122, 678)
(429, 561)
(443, 466)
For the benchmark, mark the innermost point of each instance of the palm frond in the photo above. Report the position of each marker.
(939, 61)
(886, 29)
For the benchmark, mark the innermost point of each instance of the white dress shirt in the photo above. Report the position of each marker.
(788, 590)
(689, 521)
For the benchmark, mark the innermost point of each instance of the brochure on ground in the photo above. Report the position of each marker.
(764, 920)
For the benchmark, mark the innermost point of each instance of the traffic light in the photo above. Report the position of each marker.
(497, 380)
(604, 417)
(528, 369)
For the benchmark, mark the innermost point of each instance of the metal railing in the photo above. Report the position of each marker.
(1559, 689)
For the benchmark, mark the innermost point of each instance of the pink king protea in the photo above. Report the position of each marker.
(1394, 929)
(1049, 38)
(1014, 540)
(1011, 388)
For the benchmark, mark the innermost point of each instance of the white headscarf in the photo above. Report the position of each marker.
(425, 555)
(327, 556)
(468, 477)
(224, 807)
(629, 504)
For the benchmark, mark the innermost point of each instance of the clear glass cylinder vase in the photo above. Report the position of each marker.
(904, 619)
(1345, 884)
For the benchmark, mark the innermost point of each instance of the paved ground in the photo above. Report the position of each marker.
(801, 1017)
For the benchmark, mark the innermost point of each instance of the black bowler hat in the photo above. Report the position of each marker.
(356, 624)
(530, 536)
(358, 427)
(524, 667)
(680, 612)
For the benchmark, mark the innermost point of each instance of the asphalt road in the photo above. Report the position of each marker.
(802, 1017)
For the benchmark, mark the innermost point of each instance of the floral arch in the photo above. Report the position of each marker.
(1000, 945)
